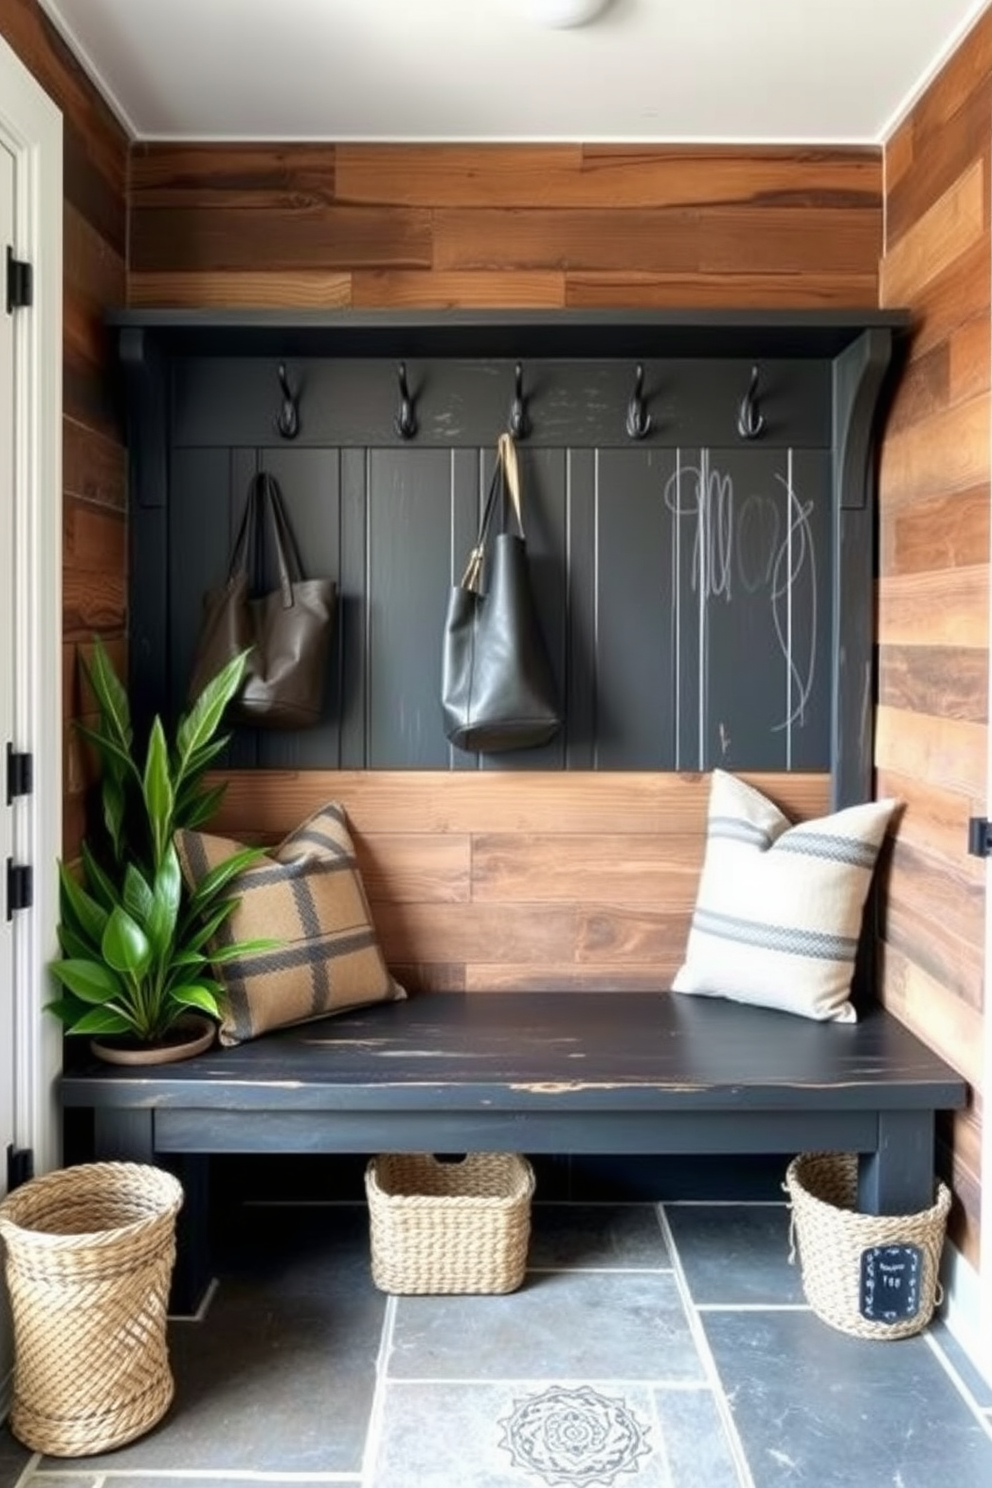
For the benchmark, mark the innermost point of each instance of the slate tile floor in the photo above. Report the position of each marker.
(650, 1347)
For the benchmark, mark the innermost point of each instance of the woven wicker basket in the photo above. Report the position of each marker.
(449, 1226)
(832, 1239)
(89, 1257)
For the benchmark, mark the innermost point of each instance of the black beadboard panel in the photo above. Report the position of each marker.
(661, 578)
(661, 566)
(410, 500)
(634, 674)
(686, 627)
(199, 540)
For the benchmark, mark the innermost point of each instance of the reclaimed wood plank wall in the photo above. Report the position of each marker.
(517, 879)
(95, 159)
(932, 735)
(523, 225)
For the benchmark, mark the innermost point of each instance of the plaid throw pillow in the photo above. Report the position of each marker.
(779, 908)
(307, 894)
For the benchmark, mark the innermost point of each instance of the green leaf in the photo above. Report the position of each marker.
(125, 945)
(198, 727)
(67, 1009)
(102, 888)
(158, 793)
(108, 749)
(103, 1020)
(89, 980)
(74, 945)
(196, 939)
(166, 898)
(114, 801)
(201, 807)
(110, 695)
(224, 873)
(206, 754)
(138, 899)
(187, 958)
(195, 995)
(242, 948)
(78, 909)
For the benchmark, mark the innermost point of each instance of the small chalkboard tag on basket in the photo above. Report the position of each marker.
(890, 1282)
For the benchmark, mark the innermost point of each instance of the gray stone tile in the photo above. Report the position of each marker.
(735, 1253)
(978, 1387)
(572, 1324)
(74, 1479)
(128, 1480)
(14, 1458)
(696, 1441)
(521, 1434)
(815, 1407)
(279, 1377)
(597, 1236)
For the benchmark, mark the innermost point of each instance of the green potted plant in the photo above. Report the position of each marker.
(135, 974)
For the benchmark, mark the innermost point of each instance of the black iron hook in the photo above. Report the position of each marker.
(638, 418)
(750, 419)
(519, 422)
(406, 421)
(288, 422)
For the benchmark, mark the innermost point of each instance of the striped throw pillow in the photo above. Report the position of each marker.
(308, 895)
(779, 908)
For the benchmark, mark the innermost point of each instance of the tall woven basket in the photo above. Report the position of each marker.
(844, 1253)
(442, 1227)
(89, 1257)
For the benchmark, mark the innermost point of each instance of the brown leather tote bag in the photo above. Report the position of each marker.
(288, 630)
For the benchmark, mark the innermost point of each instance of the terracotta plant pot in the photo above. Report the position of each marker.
(191, 1035)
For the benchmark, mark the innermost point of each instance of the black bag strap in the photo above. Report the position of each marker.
(505, 483)
(266, 499)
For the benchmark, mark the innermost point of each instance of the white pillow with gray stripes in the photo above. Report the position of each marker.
(779, 907)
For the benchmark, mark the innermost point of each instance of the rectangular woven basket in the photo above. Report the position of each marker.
(461, 1226)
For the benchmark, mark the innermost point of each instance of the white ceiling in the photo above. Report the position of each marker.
(753, 71)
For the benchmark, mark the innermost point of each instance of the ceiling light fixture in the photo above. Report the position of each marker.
(559, 14)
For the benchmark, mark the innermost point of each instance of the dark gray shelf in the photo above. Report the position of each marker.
(510, 333)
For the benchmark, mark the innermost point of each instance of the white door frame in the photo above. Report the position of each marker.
(31, 129)
(984, 1341)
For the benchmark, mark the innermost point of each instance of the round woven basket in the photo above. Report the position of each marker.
(449, 1226)
(833, 1238)
(89, 1257)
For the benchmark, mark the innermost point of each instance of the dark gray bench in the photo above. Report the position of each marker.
(565, 1073)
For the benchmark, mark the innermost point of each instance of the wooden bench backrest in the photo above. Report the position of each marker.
(488, 880)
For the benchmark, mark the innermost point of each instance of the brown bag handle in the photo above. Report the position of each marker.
(264, 496)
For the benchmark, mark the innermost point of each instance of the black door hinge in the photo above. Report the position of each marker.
(20, 774)
(20, 288)
(20, 887)
(20, 1166)
(979, 837)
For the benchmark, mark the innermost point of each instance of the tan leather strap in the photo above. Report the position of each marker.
(508, 456)
(506, 480)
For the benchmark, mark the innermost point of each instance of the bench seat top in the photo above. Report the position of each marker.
(533, 1051)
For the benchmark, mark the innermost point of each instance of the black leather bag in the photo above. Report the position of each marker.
(288, 630)
(497, 687)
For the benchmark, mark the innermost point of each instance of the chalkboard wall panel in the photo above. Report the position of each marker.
(683, 595)
(752, 604)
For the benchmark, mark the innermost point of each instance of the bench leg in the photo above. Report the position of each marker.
(898, 1178)
(129, 1136)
